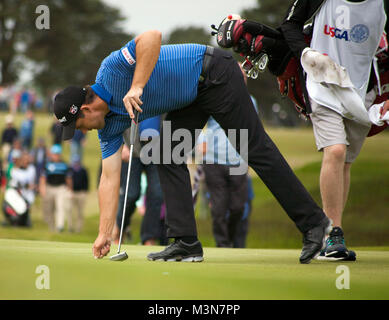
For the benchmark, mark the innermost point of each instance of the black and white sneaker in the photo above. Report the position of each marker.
(351, 256)
(179, 251)
(335, 245)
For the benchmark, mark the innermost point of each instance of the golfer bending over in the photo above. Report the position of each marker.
(190, 82)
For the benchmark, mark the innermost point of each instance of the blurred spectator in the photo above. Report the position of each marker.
(19, 194)
(56, 132)
(16, 145)
(228, 193)
(55, 189)
(38, 105)
(40, 155)
(3, 99)
(7, 138)
(242, 229)
(76, 144)
(26, 100)
(80, 186)
(27, 130)
(22, 175)
(7, 98)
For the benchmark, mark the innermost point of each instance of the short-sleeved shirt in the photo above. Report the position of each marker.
(171, 86)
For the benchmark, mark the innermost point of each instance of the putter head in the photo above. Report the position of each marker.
(119, 257)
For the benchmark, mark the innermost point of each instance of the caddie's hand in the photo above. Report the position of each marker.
(384, 109)
(132, 101)
(102, 246)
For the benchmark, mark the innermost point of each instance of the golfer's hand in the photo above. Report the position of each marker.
(132, 100)
(384, 109)
(101, 246)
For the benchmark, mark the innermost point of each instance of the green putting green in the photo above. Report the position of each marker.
(225, 274)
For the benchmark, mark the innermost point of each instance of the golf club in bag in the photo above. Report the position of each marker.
(120, 256)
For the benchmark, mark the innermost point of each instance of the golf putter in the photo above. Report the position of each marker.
(121, 256)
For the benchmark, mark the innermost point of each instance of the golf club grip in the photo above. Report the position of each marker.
(134, 125)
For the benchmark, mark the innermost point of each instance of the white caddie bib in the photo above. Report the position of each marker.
(349, 33)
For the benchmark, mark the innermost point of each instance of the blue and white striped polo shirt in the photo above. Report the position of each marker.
(171, 86)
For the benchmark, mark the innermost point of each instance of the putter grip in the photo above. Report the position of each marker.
(134, 125)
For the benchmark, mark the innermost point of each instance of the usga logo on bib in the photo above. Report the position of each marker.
(359, 33)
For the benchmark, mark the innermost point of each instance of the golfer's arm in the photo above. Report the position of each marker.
(109, 192)
(147, 48)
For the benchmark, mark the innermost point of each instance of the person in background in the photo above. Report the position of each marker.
(22, 175)
(16, 145)
(9, 134)
(21, 180)
(25, 101)
(14, 157)
(40, 157)
(242, 229)
(55, 189)
(76, 144)
(80, 186)
(26, 133)
(56, 132)
(3, 99)
(228, 193)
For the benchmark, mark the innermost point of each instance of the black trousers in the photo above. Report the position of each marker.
(224, 96)
(228, 193)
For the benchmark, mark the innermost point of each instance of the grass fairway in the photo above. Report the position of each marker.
(225, 274)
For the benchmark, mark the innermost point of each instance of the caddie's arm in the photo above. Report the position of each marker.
(293, 25)
(108, 195)
(147, 48)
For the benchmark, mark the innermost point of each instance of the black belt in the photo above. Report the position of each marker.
(206, 63)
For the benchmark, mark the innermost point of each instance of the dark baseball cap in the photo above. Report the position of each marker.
(67, 105)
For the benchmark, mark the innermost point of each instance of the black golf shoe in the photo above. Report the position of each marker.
(314, 241)
(179, 251)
